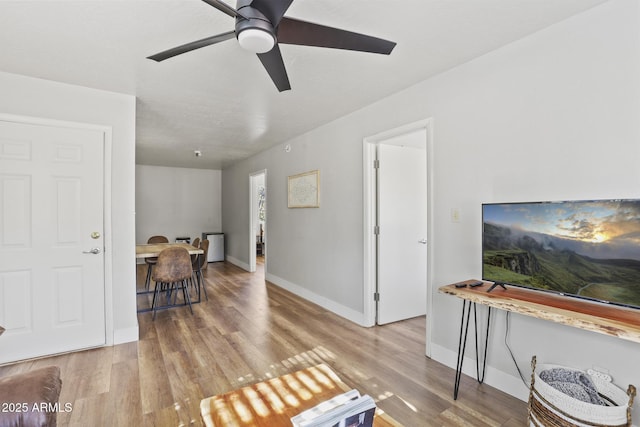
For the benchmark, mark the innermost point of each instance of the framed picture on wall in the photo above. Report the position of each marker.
(304, 190)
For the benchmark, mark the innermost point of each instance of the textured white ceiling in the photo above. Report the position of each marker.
(219, 99)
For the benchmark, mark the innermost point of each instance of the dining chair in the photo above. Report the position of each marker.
(171, 274)
(152, 261)
(199, 265)
(194, 262)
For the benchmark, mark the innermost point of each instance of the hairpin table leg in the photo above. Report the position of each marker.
(462, 344)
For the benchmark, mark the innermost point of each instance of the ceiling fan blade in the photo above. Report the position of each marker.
(294, 31)
(225, 8)
(274, 10)
(273, 63)
(170, 53)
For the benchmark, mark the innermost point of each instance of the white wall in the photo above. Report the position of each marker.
(553, 116)
(315, 252)
(176, 202)
(25, 96)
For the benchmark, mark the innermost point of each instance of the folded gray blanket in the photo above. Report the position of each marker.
(573, 383)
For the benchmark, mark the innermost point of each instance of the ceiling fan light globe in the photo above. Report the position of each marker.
(256, 40)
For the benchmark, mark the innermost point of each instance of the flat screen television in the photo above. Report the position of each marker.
(584, 249)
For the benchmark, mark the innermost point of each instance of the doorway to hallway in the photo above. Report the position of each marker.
(258, 220)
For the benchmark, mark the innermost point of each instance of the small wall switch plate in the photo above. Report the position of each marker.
(455, 215)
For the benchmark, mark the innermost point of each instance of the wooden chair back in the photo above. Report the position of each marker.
(158, 239)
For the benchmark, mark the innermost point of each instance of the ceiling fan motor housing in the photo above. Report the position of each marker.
(256, 21)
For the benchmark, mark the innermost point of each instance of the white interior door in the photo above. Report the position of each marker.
(402, 221)
(51, 240)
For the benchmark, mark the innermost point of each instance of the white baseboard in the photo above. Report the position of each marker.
(235, 261)
(121, 336)
(507, 383)
(326, 303)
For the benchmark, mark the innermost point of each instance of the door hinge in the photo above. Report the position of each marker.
(376, 230)
(376, 296)
(376, 164)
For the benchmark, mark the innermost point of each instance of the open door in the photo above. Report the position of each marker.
(402, 227)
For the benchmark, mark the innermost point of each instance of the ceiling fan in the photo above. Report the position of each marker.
(261, 26)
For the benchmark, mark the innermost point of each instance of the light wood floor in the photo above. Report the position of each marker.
(249, 331)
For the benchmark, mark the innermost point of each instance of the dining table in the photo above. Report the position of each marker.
(152, 250)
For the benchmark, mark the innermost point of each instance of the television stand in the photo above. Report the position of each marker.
(606, 319)
(495, 285)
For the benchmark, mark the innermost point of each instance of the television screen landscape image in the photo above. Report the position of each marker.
(586, 249)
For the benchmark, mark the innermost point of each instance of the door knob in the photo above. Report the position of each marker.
(423, 241)
(94, 251)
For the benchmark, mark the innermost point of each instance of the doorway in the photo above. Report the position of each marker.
(257, 219)
(397, 209)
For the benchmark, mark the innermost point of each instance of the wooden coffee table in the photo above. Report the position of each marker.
(274, 402)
